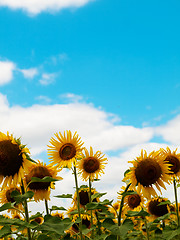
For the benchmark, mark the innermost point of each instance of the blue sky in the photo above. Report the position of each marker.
(108, 69)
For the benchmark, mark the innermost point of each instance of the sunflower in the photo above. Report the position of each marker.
(148, 171)
(57, 214)
(86, 223)
(132, 202)
(84, 196)
(41, 189)
(14, 160)
(155, 209)
(38, 220)
(91, 165)
(5, 197)
(65, 149)
(172, 158)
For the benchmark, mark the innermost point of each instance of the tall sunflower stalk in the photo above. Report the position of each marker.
(121, 207)
(90, 200)
(176, 201)
(78, 202)
(26, 210)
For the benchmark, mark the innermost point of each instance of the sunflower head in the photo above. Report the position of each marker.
(154, 207)
(148, 170)
(38, 220)
(91, 165)
(14, 159)
(6, 197)
(86, 222)
(173, 159)
(84, 196)
(65, 149)
(41, 189)
(57, 214)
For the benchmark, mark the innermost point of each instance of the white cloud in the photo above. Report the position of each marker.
(38, 123)
(47, 78)
(29, 73)
(34, 7)
(43, 99)
(71, 97)
(170, 131)
(6, 70)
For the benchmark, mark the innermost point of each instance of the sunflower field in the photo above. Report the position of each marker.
(140, 212)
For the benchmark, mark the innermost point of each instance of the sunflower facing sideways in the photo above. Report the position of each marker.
(41, 189)
(91, 165)
(148, 170)
(155, 209)
(14, 160)
(5, 197)
(65, 149)
(172, 158)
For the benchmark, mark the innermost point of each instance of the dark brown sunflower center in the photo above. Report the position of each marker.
(91, 164)
(175, 164)
(67, 151)
(38, 220)
(85, 222)
(134, 200)
(8, 195)
(10, 158)
(84, 198)
(39, 172)
(147, 172)
(156, 209)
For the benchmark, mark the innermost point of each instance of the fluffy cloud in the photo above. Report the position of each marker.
(6, 70)
(34, 7)
(170, 131)
(29, 73)
(47, 78)
(71, 97)
(36, 124)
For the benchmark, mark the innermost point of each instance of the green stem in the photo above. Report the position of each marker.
(147, 230)
(176, 200)
(46, 206)
(121, 206)
(90, 200)
(78, 203)
(120, 209)
(26, 210)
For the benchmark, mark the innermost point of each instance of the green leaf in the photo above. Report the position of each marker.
(20, 198)
(129, 192)
(55, 225)
(164, 203)
(55, 208)
(38, 214)
(141, 213)
(95, 205)
(111, 237)
(6, 230)
(44, 237)
(127, 171)
(44, 179)
(97, 195)
(64, 196)
(171, 234)
(108, 223)
(6, 206)
(165, 216)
